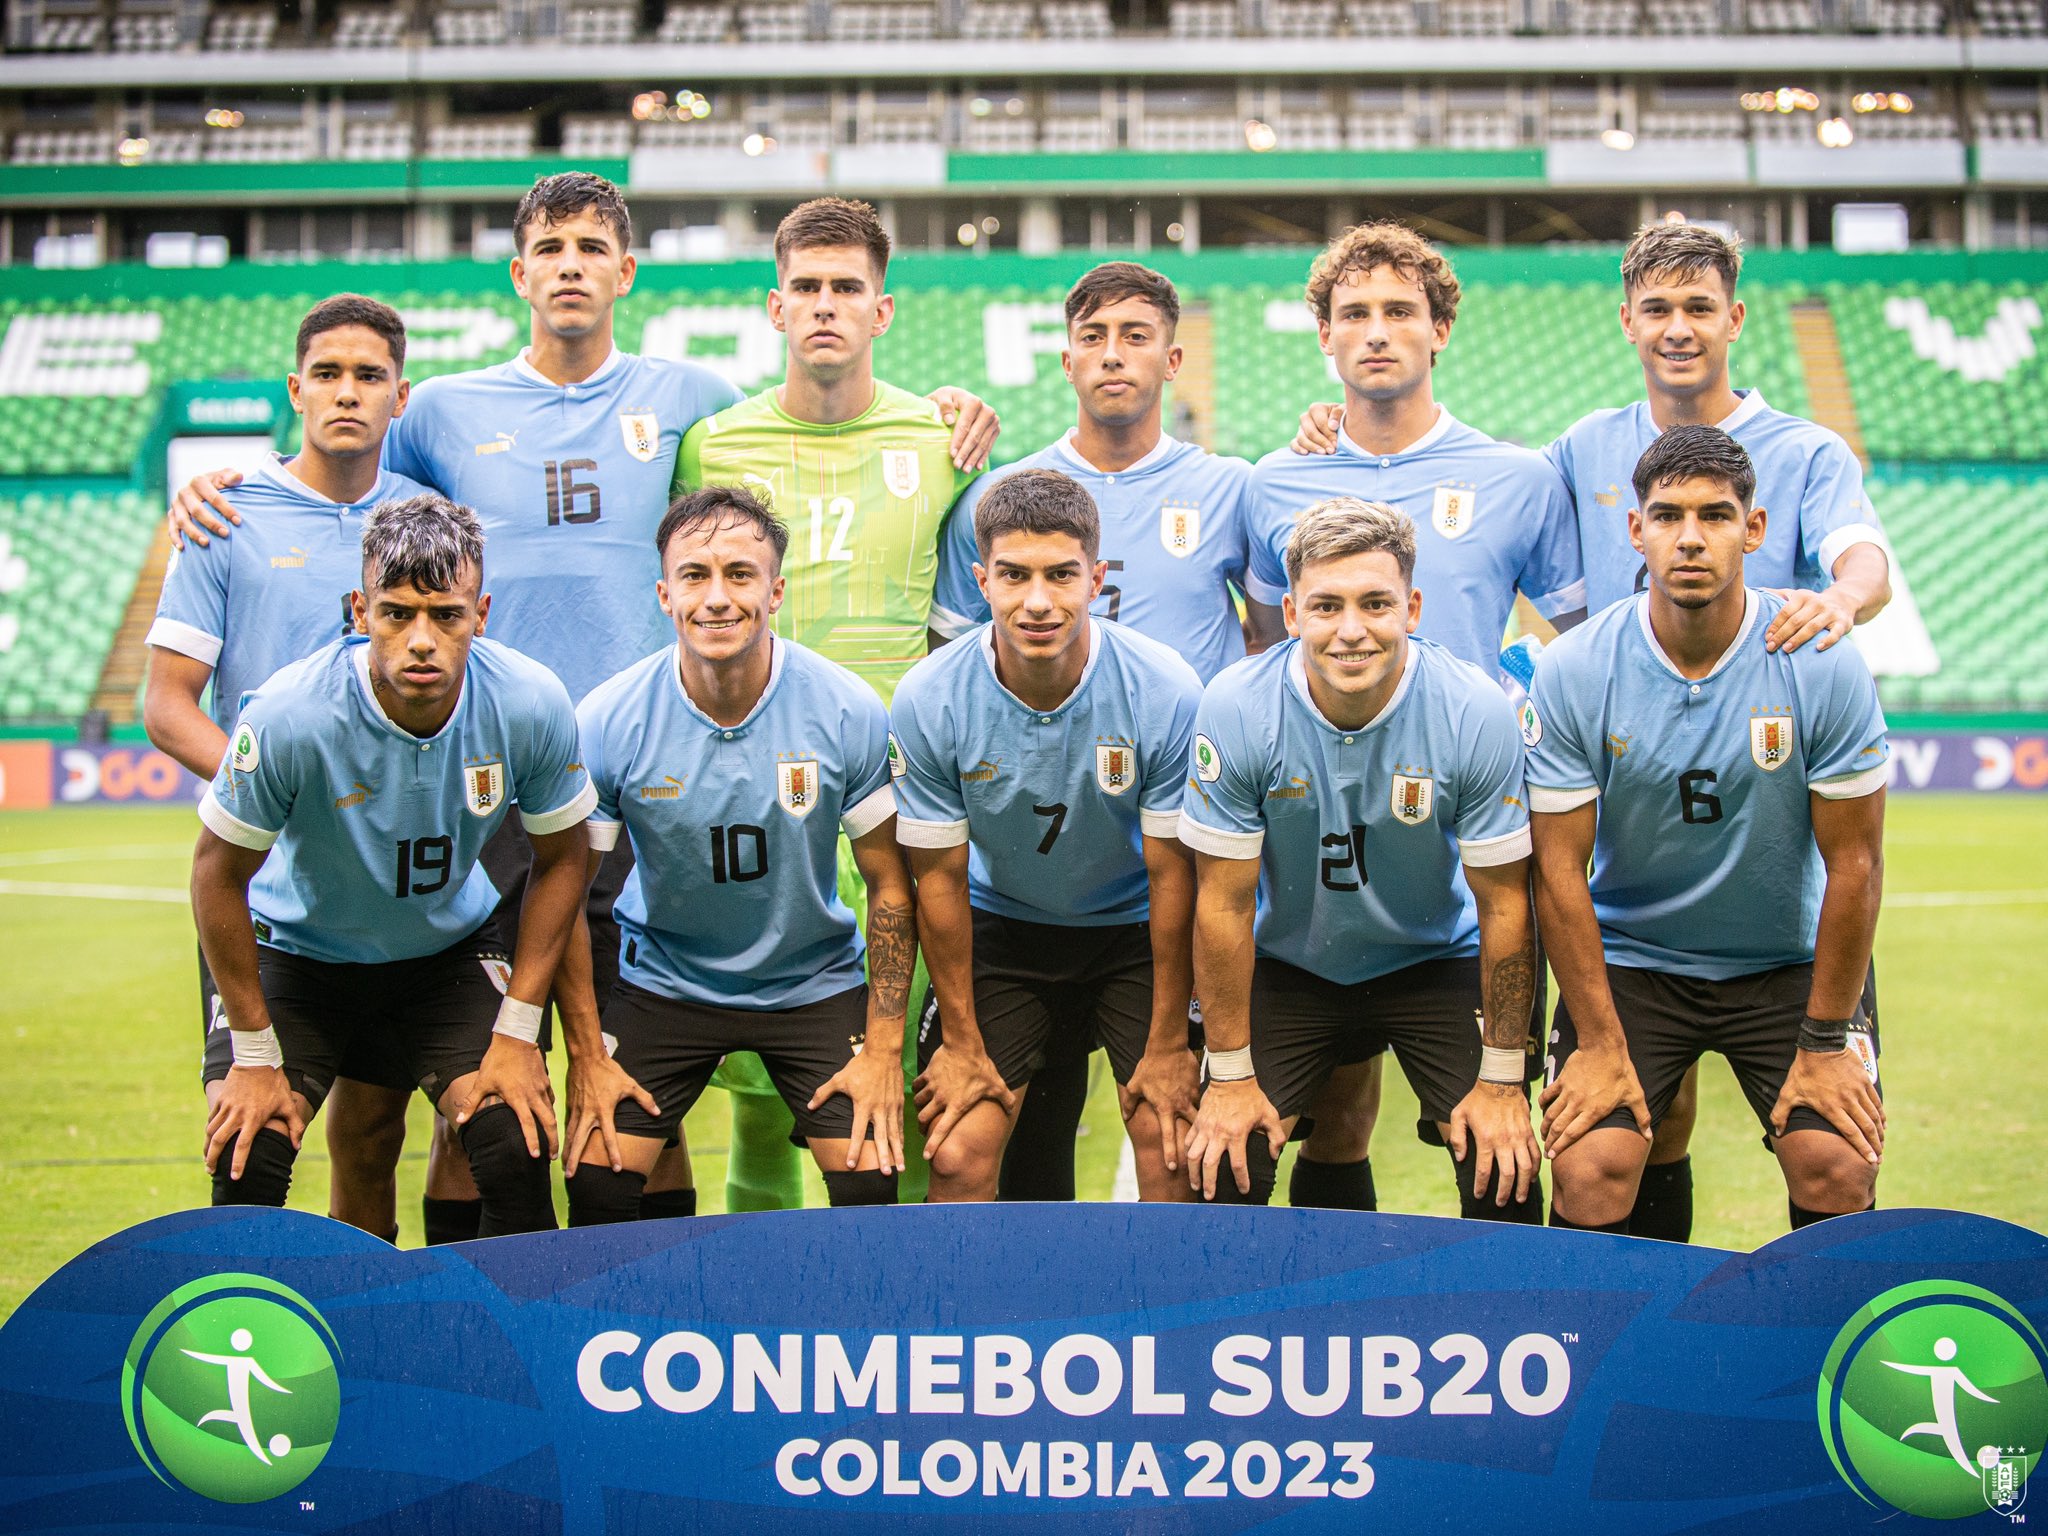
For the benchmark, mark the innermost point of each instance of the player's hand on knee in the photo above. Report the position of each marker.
(974, 423)
(1834, 1085)
(1492, 1122)
(1320, 424)
(1170, 1082)
(1229, 1116)
(873, 1080)
(198, 507)
(515, 1072)
(952, 1083)
(1807, 614)
(596, 1089)
(1592, 1086)
(250, 1099)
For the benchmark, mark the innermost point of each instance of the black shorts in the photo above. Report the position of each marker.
(1304, 1027)
(671, 1046)
(1045, 992)
(1671, 1021)
(1532, 1048)
(372, 1054)
(434, 1013)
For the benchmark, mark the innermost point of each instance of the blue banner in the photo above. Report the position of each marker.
(1069, 1369)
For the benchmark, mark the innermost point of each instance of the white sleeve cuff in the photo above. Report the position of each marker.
(1159, 823)
(1563, 600)
(1852, 786)
(1259, 592)
(1552, 802)
(1844, 539)
(1485, 852)
(860, 820)
(185, 639)
(229, 828)
(1218, 843)
(944, 621)
(930, 834)
(541, 823)
(604, 835)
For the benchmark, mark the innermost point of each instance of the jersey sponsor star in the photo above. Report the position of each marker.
(1175, 532)
(375, 832)
(1361, 834)
(734, 898)
(1704, 863)
(864, 500)
(1053, 804)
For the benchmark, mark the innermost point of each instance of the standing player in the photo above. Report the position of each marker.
(1174, 541)
(1490, 519)
(1820, 553)
(1041, 760)
(375, 906)
(1362, 853)
(1730, 796)
(233, 613)
(716, 756)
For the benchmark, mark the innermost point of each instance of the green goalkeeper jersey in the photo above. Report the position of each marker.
(864, 501)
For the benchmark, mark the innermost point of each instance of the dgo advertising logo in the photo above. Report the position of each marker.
(230, 1388)
(1933, 1400)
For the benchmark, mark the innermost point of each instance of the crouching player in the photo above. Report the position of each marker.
(1731, 800)
(732, 759)
(377, 767)
(1362, 854)
(1041, 758)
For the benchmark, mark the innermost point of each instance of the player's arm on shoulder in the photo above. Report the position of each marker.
(1554, 576)
(957, 601)
(974, 423)
(1838, 527)
(200, 506)
(1320, 424)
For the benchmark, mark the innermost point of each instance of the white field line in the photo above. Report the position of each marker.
(136, 851)
(168, 895)
(1966, 899)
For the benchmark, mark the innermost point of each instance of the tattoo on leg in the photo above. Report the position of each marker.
(1510, 992)
(892, 956)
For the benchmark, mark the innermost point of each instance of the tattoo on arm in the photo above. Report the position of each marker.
(1510, 991)
(892, 956)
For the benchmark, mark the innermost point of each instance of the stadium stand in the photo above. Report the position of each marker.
(67, 564)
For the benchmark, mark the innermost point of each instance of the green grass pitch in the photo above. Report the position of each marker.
(100, 1043)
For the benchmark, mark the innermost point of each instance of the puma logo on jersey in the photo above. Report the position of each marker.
(295, 561)
(671, 789)
(505, 443)
(1296, 788)
(358, 793)
(983, 772)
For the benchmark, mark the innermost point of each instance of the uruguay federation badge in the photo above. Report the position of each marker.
(1453, 510)
(642, 434)
(1414, 798)
(900, 472)
(1116, 769)
(1180, 529)
(483, 787)
(1770, 741)
(796, 786)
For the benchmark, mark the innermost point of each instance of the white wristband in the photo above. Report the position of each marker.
(519, 1020)
(1501, 1066)
(256, 1047)
(1231, 1066)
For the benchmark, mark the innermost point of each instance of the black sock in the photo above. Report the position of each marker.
(1559, 1219)
(1332, 1186)
(667, 1202)
(1802, 1217)
(1038, 1163)
(450, 1221)
(1664, 1203)
(516, 1186)
(266, 1173)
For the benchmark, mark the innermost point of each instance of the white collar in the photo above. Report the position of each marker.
(988, 651)
(1297, 675)
(1749, 406)
(1650, 634)
(362, 671)
(778, 652)
(523, 366)
(1444, 422)
(1158, 451)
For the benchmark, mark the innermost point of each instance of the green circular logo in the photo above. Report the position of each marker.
(1934, 1399)
(230, 1388)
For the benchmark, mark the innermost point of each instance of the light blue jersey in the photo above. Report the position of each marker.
(1175, 531)
(1053, 804)
(1807, 480)
(377, 831)
(1704, 863)
(1361, 834)
(734, 896)
(277, 590)
(1490, 521)
(571, 482)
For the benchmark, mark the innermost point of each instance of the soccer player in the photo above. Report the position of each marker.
(1040, 764)
(1362, 858)
(716, 756)
(1174, 542)
(376, 768)
(1821, 553)
(233, 613)
(1730, 795)
(1490, 519)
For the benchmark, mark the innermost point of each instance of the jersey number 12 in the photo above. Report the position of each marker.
(839, 512)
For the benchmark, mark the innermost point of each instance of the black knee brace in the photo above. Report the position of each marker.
(1801, 1216)
(661, 1204)
(1332, 1186)
(872, 1187)
(1664, 1203)
(514, 1184)
(1265, 1173)
(1038, 1163)
(1527, 1212)
(450, 1221)
(1559, 1219)
(267, 1176)
(598, 1197)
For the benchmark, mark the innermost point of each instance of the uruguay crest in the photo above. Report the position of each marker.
(1414, 798)
(1770, 741)
(796, 786)
(642, 433)
(483, 786)
(900, 472)
(1180, 528)
(1453, 510)
(1116, 769)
